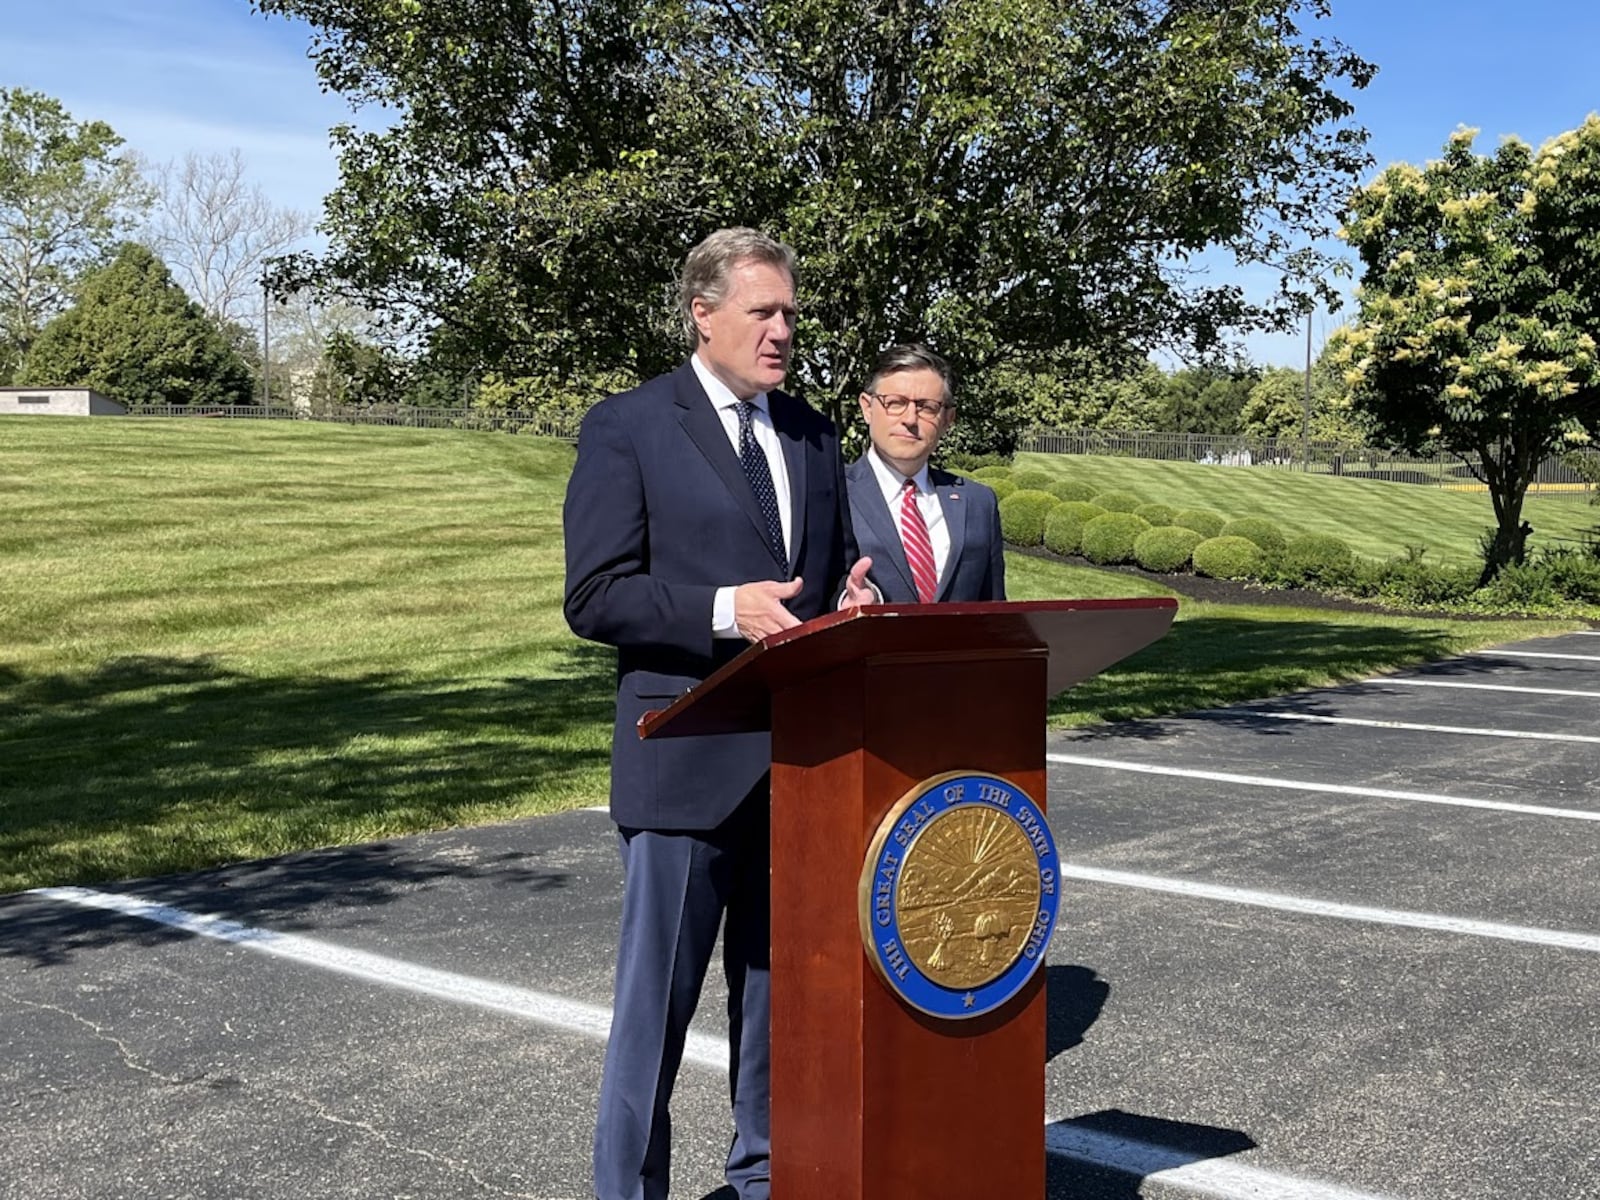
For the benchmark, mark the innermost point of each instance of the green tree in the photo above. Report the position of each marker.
(1276, 406)
(67, 194)
(1004, 178)
(1207, 399)
(135, 336)
(1479, 298)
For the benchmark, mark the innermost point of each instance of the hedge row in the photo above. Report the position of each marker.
(1113, 527)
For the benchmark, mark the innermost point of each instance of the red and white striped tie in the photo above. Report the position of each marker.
(919, 550)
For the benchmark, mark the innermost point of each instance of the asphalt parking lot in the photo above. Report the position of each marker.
(1340, 944)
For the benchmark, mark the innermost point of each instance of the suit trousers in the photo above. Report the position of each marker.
(677, 887)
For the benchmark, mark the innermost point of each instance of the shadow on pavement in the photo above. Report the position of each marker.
(1074, 997)
(1080, 1151)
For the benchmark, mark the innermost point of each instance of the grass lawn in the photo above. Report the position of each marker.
(221, 640)
(1377, 519)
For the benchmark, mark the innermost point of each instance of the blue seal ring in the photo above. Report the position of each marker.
(894, 845)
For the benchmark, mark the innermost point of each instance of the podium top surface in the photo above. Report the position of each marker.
(1081, 637)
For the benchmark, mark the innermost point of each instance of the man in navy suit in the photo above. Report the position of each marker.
(706, 510)
(931, 535)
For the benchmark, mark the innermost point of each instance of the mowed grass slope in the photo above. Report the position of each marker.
(1377, 519)
(223, 640)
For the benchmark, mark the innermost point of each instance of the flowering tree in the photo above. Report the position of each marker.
(1479, 304)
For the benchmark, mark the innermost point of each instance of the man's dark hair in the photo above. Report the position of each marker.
(912, 356)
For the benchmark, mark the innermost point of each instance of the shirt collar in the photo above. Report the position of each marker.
(720, 393)
(891, 481)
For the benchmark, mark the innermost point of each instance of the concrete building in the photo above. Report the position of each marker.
(58, 402)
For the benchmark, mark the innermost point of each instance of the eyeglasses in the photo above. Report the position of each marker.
(896, 406)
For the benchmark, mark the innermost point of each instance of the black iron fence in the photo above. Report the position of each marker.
(1555, 475)
(497, 421)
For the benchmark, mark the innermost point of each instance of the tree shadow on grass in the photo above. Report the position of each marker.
(150, 766)
(1207, 662)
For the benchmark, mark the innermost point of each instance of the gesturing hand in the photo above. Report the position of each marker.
(758, 607)
(856, 588)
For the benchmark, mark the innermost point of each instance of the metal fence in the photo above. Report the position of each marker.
(496, 421)
(1555, 475)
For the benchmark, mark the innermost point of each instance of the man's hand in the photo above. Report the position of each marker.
(758, 607)
(856, 588)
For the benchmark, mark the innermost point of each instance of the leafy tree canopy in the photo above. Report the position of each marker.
(67, 194)
(1479, 301)
(136, 337)
(1003, 178)
(1207, 399)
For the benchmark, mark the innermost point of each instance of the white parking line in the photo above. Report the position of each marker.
(539, 1007)
(1482, 687)
(1206, 1177)
(1536, 654)
(1338, 789)
(1322, 719)
(1587, 942)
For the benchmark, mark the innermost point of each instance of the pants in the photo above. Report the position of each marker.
(677, 886)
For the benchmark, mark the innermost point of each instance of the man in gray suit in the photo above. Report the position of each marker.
(931, 535)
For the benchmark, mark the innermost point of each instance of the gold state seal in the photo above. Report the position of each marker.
(958, 893)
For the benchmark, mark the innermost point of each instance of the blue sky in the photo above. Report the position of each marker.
(210, 75)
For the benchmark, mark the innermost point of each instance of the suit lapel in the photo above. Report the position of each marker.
(955, 523)
(704, 427)
(867, 497)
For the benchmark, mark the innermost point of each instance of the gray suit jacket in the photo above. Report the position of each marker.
(976, 568)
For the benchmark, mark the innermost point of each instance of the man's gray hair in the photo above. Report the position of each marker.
(912, 356)
(706, 270)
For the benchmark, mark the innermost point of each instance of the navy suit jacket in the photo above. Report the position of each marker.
(976, 567)
(658, 516)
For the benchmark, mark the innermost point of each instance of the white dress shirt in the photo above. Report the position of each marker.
(893, 484)
(766, 435)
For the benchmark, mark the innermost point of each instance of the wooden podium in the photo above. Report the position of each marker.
(871, 1098)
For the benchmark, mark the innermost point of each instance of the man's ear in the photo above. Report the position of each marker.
(701, 311)
(866, 406)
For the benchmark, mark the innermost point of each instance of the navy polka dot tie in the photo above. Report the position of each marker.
(756, 470)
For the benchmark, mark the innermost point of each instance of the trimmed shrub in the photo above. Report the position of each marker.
(1117, 501)
(1000, 487)
(1315, 559)
(1063, 528)
(990, 474)
(1526, 588)
(1109, 539)
(1412, 583)
(1157, 514)
(1033, 479)
(1022, 516)
(1071, 489)
(1258, 530)
(1203, 521)
(1574, 574)
(1165, 547)
(1227, 558)
(970, 464)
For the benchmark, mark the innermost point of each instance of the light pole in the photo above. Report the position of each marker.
(1305, 426)
(266, 348)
